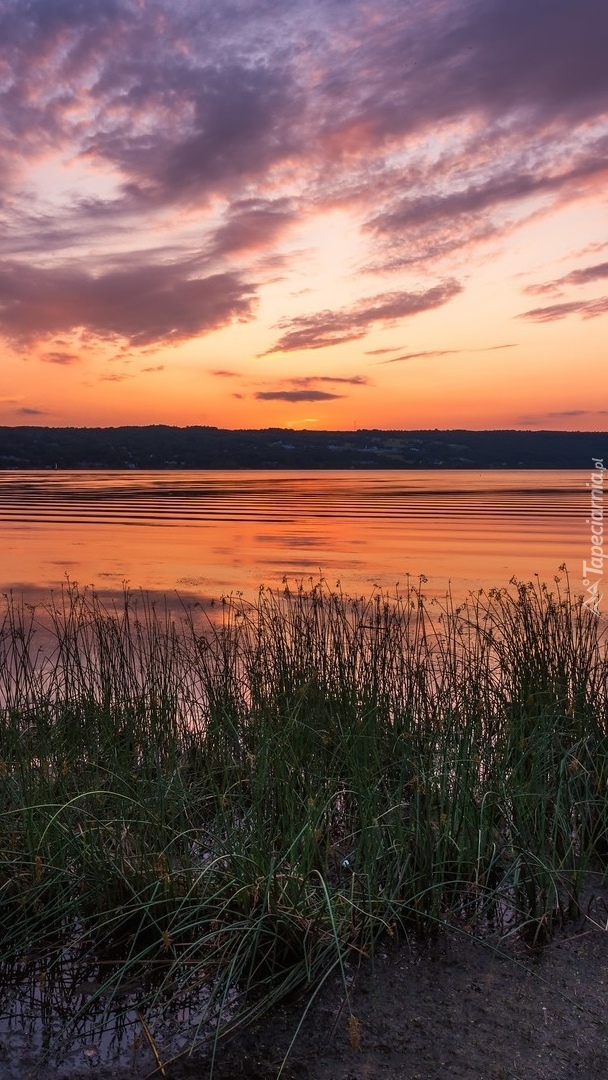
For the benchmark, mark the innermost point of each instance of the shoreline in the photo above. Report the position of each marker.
(448, 1006)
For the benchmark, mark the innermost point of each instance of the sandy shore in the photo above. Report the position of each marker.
(451, 1007)
(454, 1008)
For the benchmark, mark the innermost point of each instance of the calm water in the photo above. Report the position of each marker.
(208, 533)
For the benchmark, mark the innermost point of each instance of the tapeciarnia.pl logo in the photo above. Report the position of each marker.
(594, 569)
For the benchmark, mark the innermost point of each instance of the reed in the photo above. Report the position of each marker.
(235, 807)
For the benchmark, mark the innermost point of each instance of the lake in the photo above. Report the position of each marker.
(207, 533)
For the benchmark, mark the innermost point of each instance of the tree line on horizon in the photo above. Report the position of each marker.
(166, 447)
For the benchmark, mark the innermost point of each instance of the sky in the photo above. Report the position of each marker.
(326, 214)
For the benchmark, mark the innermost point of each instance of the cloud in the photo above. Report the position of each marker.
(587, 309)
(240, 128)
(430, 353)
(435, 126)
(576, 277)
(477, 197)
(155, 367)
(62, 358)
(380, 352)
(564, 414)
(165, 106)
(221, 373)
(253, 225)
(492, 197)
(183, 102)
(304, 388)
(186, 93)
(591, 249)
(494, 112)
(146, 305)
(350, 380)
(579, 412)
(542, 63)
(296, 395)
(336, 327)
(585, 274)
(26, 411)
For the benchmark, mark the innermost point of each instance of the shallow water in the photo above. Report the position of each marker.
(54, 1021)
(203, 534)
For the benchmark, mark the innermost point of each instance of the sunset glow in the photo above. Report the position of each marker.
(370, 213)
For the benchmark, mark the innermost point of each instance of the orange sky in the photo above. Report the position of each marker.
(326, 215)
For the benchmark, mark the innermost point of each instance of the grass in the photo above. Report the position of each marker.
(229, 810)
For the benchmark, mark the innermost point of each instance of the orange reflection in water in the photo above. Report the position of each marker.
(207, 533)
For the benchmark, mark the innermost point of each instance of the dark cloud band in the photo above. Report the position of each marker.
(146, 305)
(295, 395)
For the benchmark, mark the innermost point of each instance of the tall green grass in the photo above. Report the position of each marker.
(236, 807)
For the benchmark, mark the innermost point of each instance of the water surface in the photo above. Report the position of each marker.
(205, 533)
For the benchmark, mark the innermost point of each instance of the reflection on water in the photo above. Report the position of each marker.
(205, 533)
(62, 1018)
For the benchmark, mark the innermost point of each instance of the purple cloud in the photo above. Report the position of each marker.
(252, 225)
(587, 309)
(296, 395)
(585, 274)
(579, 412)
(304, 388)
(576, 277)
(441, 124)
(477, 198)
(563, 414)
(350, 380)
(335, 327)
(62, 358)
(381, 352)
(147, 305)
(240, 127)
(426, 354)
(430, 353)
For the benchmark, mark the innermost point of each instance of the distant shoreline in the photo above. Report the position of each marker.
(162, 447)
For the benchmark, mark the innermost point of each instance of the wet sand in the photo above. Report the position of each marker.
(451, 1007)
